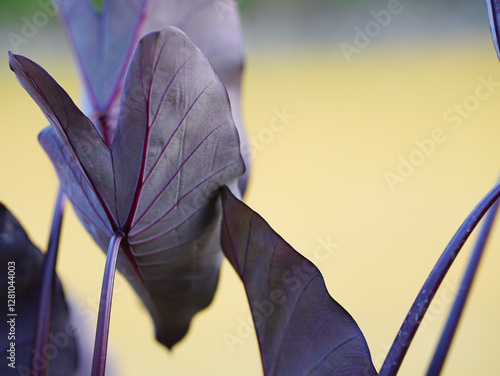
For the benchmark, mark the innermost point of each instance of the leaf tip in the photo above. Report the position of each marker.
(169, 338)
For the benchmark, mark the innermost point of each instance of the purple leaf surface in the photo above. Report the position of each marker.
(175, 145)
(301, 330)
(25, 263)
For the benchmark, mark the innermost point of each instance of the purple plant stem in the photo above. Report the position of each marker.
(45, 304)
(417, 311)
(458, 306)
(102, 332)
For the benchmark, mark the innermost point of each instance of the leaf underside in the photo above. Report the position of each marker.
(301, 330)
(175, 145)
(16, 247)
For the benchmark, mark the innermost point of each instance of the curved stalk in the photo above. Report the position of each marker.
(417, 311)
(102, 332)
(45, 304)
(458, 306)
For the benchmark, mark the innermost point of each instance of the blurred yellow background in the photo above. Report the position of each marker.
(320, 176)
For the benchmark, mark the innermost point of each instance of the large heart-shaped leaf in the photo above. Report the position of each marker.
(301, 330)
(175, 145)
(20, 278)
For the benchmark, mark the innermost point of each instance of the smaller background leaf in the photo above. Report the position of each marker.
(301, 330)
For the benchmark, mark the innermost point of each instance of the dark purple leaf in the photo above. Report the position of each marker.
(493, 7)
(22, 264)
(301, 330)
(214, 26)
(103, 41)
(175, 145)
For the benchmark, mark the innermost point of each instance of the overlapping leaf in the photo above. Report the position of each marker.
(104, 39)
(301, 330)
(22, 265)
(175, 145)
